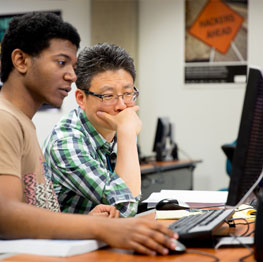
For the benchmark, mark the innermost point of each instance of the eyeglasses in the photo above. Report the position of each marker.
(127, 97)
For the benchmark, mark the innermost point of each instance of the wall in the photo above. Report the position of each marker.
(115, 22)
(76, 12)
(206, 115)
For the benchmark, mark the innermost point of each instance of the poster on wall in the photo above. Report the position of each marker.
(216, 41)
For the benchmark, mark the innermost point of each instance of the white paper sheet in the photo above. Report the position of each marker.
(188, 196)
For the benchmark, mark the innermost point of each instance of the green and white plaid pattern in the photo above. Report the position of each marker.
(76, 159)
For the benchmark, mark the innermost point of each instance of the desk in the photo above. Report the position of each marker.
(110, 255)
(177, 174)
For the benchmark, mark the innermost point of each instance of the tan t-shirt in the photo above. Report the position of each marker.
(21, 156)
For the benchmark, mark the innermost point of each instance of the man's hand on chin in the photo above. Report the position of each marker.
(126, 119)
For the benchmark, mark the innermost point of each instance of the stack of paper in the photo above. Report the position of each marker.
(45, 247)
(188, 196)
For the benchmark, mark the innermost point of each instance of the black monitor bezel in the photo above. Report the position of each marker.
(235, 196)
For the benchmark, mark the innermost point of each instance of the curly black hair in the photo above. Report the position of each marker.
(100, 58)
(32, 33)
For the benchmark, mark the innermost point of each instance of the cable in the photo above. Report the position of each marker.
(241, 259)
(249, 234)
(183, 152)
(216, 259)
(246, 256)
(246, 223)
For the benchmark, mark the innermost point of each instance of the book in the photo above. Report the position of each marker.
(47, 247)
(175, 214)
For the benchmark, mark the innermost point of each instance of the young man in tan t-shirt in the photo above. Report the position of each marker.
(38, 59)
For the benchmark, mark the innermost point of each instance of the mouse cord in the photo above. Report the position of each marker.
(241, 259)
(236, 237)
(191, 251)
(236, 224)
(251, 251)
(251, 233)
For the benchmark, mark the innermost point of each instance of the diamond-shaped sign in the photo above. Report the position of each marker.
(217, 25)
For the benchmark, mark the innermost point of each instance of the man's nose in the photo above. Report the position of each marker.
(71, 75)
(120, 105)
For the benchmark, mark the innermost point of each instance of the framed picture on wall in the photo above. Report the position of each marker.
(216, 41)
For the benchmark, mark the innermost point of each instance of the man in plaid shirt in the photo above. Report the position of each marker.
(81, 146)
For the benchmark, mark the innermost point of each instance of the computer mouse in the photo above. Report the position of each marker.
(180, 248)
(171, 204)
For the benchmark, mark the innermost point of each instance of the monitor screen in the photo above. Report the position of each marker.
(248, 155)
(164, 145)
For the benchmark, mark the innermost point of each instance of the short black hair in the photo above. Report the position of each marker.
(32, 33)
(100, 58)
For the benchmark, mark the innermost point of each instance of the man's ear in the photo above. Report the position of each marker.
(20, 60)
(80, 98)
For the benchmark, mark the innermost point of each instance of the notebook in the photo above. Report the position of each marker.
(46, 247)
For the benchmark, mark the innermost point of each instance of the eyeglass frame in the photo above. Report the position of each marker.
(135, 94)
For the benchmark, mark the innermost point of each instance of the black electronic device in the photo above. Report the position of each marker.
(171, 204)
(164, 144)
(197, 230)
(248, 155)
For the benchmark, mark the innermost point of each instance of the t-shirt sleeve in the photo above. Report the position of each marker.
(11, 144)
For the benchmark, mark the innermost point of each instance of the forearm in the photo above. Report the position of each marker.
(127, 165)
(20, 220)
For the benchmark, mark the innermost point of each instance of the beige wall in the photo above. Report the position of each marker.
(115, 22)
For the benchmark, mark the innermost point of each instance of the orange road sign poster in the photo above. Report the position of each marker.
(217, 25)
(216, 34)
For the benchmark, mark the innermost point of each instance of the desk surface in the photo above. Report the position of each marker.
(109, 254)
(166, 165)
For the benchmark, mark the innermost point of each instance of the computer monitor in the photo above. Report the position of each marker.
(164, 145)
(248, 156)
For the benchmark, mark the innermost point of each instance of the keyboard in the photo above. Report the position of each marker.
(202, 225)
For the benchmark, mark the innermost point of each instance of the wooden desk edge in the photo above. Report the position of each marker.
(174, 164)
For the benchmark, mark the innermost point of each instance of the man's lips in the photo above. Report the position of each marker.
(65, 90)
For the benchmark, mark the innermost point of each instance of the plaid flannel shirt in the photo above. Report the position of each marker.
(76, 159)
